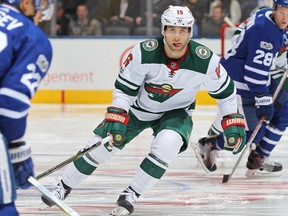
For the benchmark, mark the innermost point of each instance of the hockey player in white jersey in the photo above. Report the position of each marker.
(156, 88)
(25, 56)
(249, 63)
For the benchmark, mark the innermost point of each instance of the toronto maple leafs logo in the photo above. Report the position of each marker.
(42, 63)
(161, 92)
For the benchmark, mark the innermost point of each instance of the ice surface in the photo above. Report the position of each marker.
(57, 132)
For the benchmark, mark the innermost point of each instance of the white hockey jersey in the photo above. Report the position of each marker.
(149, 83)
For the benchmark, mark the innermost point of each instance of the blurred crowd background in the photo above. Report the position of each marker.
(142, 17)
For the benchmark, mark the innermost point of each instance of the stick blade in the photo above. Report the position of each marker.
(226, 178)
(69, 211)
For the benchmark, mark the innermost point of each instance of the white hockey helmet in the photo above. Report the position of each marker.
(177, 16)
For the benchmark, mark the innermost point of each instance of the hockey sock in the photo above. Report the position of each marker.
(213, 131)
(72, 176)
(269, 141)
(148, 174)
(80, 169)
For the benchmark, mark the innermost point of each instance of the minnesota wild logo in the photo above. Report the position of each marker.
(160, 93)
(203, 52)
(150, 45)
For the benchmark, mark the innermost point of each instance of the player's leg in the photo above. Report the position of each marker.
(259, 160)
(8, 209)
(7, 182)
(207, 147)
(171, 137)
(81, 168)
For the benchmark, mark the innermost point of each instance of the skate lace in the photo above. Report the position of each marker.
(268, 162)
(60, 191)
(130, 196)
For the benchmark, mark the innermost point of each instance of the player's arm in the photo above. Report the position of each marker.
(221, 87)
(277, 72)
(19, 150)
(20, 154)
(6, 53)
(129, 80)
(17, 91)
(280, 64)
(126, 89)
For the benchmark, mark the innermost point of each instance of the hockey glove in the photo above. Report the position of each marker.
(23, 166)
(115, 123)
(234, 130)
(264, 107)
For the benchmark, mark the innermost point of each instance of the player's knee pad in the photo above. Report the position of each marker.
(166, 145)
(101, 154)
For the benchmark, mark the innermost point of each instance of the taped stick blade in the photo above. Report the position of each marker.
(226, 178)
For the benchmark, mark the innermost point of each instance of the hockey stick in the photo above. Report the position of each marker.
(229, 22)
(227, 177)
(69, 211)
(73, 158)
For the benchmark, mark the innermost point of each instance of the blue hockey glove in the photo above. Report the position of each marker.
(264, 107)
(115, 123)
(23, 166)
(234, 130)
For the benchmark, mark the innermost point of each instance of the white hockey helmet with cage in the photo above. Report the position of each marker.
(177, 16)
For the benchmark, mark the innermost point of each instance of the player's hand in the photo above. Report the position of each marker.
(23, 166)
(264, 107)
(234, 130)
(115, 124)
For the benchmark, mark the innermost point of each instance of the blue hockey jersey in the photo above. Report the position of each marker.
(249, 61)
(25, 57)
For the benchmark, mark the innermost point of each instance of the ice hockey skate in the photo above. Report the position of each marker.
(125, 203)
(61, 192)
(205, 153)
(260, 165)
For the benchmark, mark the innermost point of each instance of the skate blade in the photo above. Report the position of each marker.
(255, 173)
(119, 211)
(199, 158)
